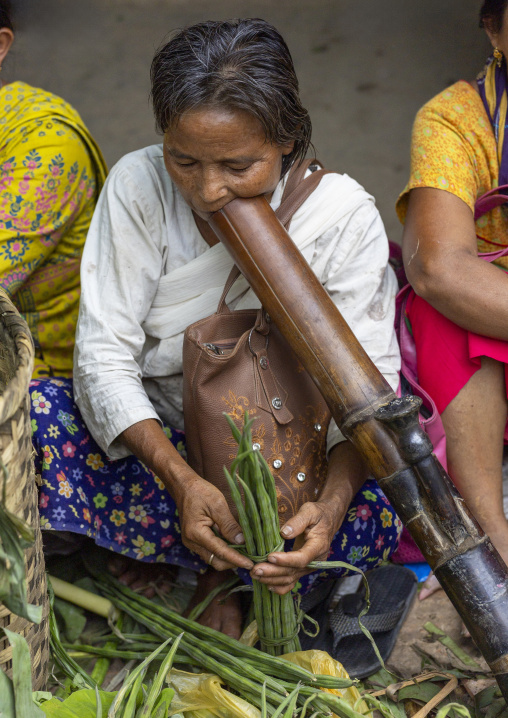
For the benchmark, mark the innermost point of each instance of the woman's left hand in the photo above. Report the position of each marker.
(313, 527)
(316, 523)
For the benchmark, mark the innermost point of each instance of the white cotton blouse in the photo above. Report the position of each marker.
(147, 273)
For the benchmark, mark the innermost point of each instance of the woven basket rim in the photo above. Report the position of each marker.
(18, 386)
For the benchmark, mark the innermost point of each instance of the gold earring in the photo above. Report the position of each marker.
(499, 56)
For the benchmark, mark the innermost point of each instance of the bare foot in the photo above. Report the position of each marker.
(430, 586)
(222, 616)
(147, 578)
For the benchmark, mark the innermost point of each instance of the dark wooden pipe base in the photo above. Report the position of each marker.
(384, 429)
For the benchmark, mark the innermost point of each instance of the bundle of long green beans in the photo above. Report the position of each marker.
(258, 516)
(133, 699)
(263, 680)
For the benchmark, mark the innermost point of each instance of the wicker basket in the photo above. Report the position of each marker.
(16, 364)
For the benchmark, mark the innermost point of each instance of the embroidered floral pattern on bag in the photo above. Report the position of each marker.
(305, 454)
(122, 506)
(293, 460)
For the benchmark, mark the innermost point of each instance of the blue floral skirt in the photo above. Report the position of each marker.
(125, 508)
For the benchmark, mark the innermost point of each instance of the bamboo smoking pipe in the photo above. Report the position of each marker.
(385, 429)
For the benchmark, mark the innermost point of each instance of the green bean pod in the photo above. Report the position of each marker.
(272, 665)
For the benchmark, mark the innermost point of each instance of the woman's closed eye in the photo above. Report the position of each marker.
(240, 169)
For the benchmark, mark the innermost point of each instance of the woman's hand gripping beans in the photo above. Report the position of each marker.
(201, 508)
(313, 527)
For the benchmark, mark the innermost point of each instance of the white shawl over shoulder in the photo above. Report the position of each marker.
(186, 294)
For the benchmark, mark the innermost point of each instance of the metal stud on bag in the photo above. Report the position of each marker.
(277, 464)
(301, 477)
(317, 427)
(277, 402)
(256, 446)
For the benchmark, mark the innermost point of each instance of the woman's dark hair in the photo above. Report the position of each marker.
(492, 14)
(241, 64)
(6, 14)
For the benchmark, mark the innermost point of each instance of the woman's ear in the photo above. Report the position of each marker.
(488, 26)
(6, 38)
(288, 148)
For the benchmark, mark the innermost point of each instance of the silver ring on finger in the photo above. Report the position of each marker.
(212, 556)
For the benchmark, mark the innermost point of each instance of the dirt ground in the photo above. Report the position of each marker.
(437, 609)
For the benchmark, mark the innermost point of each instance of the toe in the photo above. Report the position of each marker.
(117, 565)
(430, 586)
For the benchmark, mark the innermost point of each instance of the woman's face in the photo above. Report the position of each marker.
(215, 155)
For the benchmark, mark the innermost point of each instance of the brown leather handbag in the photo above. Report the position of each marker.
(237, 362)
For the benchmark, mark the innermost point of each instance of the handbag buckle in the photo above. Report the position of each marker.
(250, 343)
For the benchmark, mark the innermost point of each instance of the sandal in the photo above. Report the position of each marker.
(392, 590)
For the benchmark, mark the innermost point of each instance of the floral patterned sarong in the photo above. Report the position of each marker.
(124, 507)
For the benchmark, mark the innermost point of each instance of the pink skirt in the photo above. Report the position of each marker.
(447, 355)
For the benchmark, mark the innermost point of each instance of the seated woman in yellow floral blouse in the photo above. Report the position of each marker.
(51, 173)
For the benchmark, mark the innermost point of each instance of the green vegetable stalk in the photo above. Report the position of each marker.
(263, 680)
(258, 516)
(15, 537)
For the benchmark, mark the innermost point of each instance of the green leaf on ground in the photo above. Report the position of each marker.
(40, 697)
(81, 704)
(457, 651)
(22, 676)
(73, 617)
(6, 697)
(423, 692)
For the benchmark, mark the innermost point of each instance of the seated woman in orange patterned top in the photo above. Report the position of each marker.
(459, 308)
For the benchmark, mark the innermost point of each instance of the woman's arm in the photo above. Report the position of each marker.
(201, 506)
(48, 187)
(120, 272)
(442, 265)
(317, 522)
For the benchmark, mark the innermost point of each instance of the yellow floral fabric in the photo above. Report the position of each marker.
(51, 172)
(453, 148)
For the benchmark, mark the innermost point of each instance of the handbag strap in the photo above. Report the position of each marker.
(491, 199)
(296, 175)
(298, 189)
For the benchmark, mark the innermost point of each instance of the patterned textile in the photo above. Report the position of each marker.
(453, 148)
(51, 172)
(492, 87)
(126, 509)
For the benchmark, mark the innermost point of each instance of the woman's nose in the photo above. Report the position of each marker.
(213, 187)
